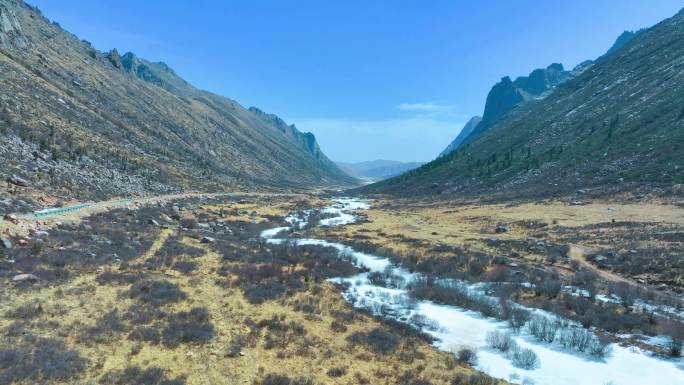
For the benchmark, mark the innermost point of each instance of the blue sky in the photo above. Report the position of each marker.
(372, 79)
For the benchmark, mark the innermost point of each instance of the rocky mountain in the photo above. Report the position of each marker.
(616, 125)
(377, 169)
(508, 94)
(79, 122)
(623, 39)
(465, 132)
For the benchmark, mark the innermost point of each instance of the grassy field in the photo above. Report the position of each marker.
(420, 227)
(179, 311)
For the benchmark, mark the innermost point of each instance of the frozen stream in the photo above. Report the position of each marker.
(455, 327)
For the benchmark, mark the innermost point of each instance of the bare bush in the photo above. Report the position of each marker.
(524, 358)
(674, 329)
(500, 341)
(277, 379)
(625, 292)
(599, 347)
(467, 356)
(543, 328)
(378, 340)
(41, 361)
(473, 379)
(138, 376)
(517, 316)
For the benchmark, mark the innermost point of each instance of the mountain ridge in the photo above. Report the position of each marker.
(89, 115)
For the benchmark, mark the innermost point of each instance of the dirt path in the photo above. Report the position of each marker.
(579, 254)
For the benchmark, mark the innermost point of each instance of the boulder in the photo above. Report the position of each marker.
(25, 277)
(17, 181)
(11, 218)
(6, 243)
(502, 229)
(208, 240)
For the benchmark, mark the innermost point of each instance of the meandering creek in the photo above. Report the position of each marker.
(455, 328)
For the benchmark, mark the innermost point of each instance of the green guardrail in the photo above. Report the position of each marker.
(69, 209)
(60, 210)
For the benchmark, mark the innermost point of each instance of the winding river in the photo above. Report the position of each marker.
(455, 328)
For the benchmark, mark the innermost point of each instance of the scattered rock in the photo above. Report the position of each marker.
(203, 226)
(579, 203)
(17, 181)
(25, 277)
(11, 218)
(502, 229)
(208, 240)
(153, 222)
(6, 243)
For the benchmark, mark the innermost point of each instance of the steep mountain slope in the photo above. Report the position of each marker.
(508, 94)
(76, 121)
(377, 169)
(465, 132)
(618, 124)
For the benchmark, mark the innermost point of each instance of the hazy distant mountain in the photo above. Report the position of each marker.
(618, 123)
(377, 169)
(103, 124)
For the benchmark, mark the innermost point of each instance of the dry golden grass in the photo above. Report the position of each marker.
(415, 227)
(78, 303)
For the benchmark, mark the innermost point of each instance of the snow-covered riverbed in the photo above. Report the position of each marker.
(456, 328)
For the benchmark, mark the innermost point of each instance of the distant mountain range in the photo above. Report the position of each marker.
(377, 169)
(79, 122)
(616, 125)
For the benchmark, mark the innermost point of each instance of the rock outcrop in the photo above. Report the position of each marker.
(465, 132)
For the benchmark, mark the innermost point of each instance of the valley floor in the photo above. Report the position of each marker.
(255, 289)
(639, 241)
(179, 291)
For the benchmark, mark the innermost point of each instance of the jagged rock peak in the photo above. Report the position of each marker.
(114, 58)
(622, 40)
(273, 118)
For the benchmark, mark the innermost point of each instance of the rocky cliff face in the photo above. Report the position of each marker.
(508, 94)
(11, 34)
(88, 115)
